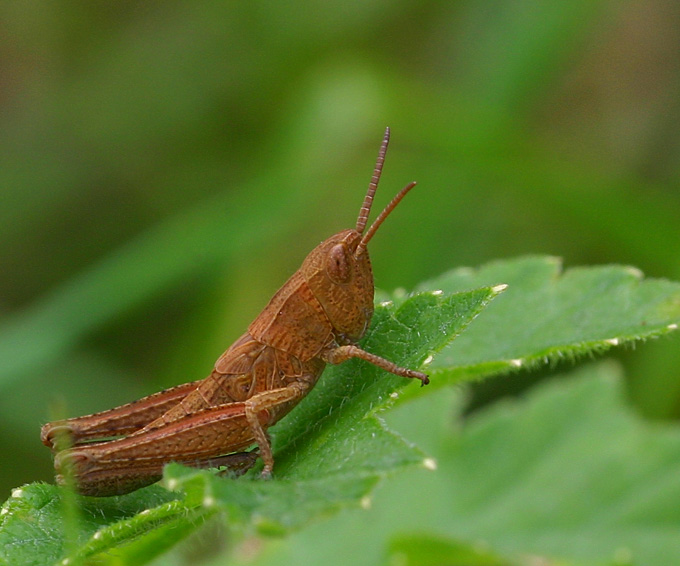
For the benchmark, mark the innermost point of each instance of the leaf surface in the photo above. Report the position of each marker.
(329, 453)
(567, 475)
(334, 448)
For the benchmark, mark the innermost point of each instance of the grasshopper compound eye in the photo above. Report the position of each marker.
(338, 264)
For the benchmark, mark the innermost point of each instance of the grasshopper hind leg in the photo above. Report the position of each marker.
(230, 465)
(116, 422)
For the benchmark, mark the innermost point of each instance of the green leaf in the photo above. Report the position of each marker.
(567, 476)
(333, 449)
(547, 315)
(408, 332)
(329, 453)
(33, 529)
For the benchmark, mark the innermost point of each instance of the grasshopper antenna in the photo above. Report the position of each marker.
(373, 185)
(381, 218)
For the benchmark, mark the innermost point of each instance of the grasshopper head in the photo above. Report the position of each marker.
(338, 271)
(343, 283)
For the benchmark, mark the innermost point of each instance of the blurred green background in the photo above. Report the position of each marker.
(167, 165)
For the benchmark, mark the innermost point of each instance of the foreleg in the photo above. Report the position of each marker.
(341, 354)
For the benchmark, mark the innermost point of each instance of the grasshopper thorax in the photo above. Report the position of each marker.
(330, 298)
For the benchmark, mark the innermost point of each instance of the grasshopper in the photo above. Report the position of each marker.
(316, 318)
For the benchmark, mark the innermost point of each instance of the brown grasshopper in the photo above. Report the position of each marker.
(317, 317)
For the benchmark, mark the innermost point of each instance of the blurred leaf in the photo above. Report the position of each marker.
(568, 464)
(425, 550)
